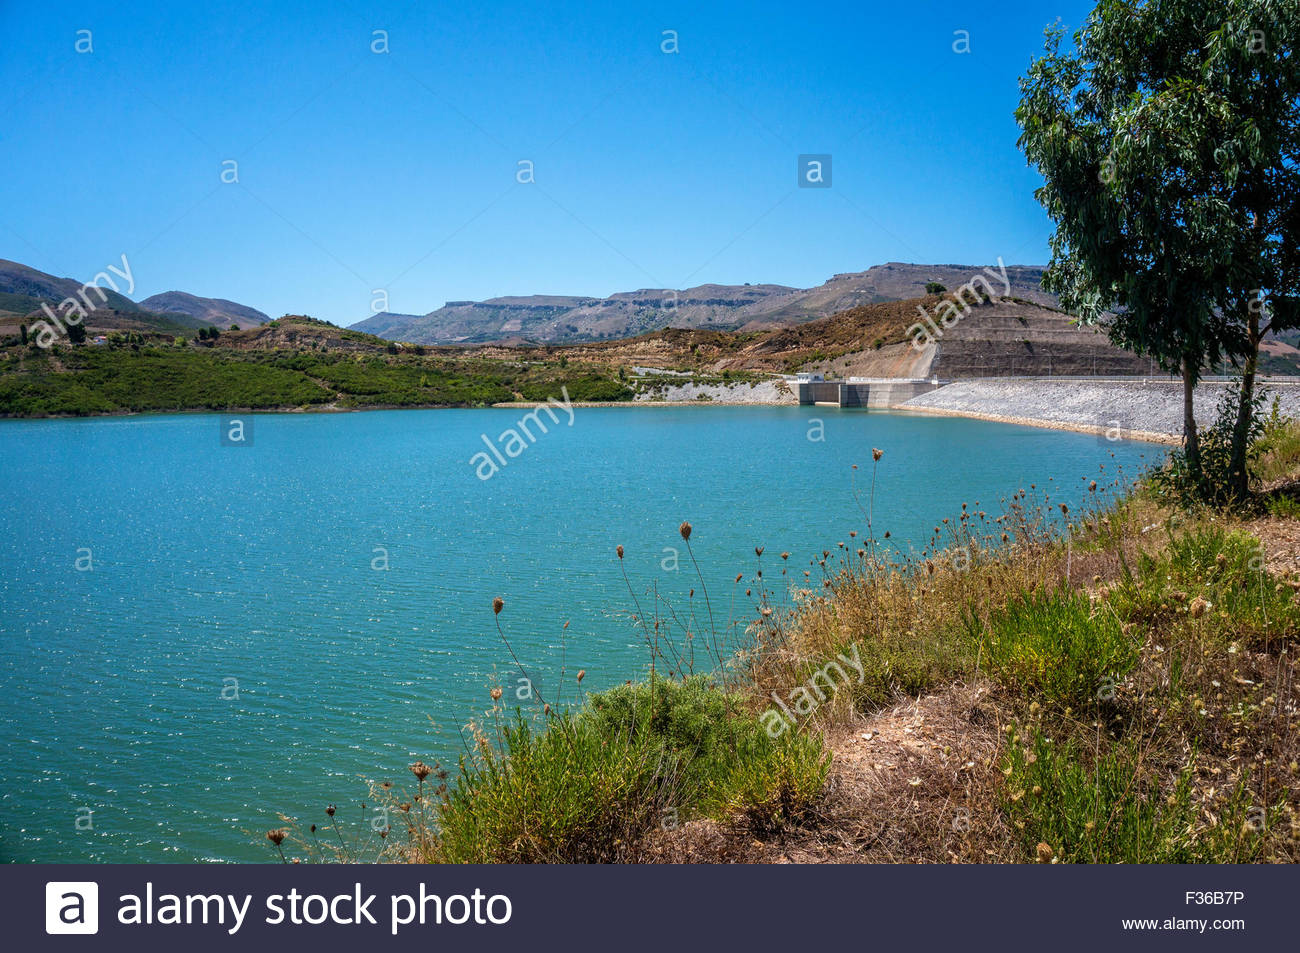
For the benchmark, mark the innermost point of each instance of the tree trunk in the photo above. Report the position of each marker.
(1191, 440)
(1239, 477)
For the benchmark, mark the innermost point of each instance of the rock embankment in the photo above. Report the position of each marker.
(1142, 408)
(746, 392)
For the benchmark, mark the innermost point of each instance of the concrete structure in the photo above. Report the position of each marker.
(863, 392)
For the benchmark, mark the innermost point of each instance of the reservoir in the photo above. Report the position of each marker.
(198, 634)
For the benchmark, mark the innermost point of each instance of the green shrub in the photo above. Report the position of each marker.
(1055, 644)
(1176, 482)
(594, 782)
(1215, 580)
(1283, 507)
(1116, 812)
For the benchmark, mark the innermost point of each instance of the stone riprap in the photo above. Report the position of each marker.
(1137, 406)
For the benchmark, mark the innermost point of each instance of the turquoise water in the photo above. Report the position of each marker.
(263, 564)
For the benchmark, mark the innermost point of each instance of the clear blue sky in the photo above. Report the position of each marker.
(361, 170)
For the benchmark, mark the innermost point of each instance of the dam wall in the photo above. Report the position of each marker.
(859, 393)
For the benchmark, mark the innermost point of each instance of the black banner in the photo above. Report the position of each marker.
(655, 908)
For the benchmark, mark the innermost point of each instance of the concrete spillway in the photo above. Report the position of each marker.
(859, 393)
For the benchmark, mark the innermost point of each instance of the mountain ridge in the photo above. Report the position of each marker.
(24, 289)
(563, 319)
(219, 312)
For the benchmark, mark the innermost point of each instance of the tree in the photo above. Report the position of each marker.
(234, 327)
(213, 334)
(934, 288)
(1166, 140)
(22, 330)
(77, 333)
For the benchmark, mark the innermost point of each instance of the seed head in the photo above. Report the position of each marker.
(495, 693)
(497, 605)
(758, 550)
(582, 673)
(876, 454)
(330, 810)
(685, 530)
(619, 550)
(421, 770)
(275, 836)
(785, 555)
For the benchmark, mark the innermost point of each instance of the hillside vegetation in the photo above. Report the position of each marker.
(159, 375)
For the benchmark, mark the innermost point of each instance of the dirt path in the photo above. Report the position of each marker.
(909, 784)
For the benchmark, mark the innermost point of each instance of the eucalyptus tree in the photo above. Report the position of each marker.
(1166, 139)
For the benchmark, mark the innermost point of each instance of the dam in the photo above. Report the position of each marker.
(861, 391)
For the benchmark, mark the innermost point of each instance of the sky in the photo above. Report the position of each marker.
(390, 170)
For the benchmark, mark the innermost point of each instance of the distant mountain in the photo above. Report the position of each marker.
(214, 311)
(382, 322)
(23, 289)
(565, 319)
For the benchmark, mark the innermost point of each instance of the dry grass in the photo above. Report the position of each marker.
(1188, 753)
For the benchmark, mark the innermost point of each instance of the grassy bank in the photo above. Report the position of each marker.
(168, 377)
(1041, 685)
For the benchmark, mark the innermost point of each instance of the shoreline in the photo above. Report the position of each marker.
(1147, 436)
(903, 409)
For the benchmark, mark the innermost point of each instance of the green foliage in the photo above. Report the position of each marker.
(118, 377)
(1166, 137)
(1055, 645)
(934, 288)
(77, 333)
(1275, 455)
(1115, 812)
(1283, 507)
(1180, 482)
(722, 759)
(1225, 570)
(636, 758)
